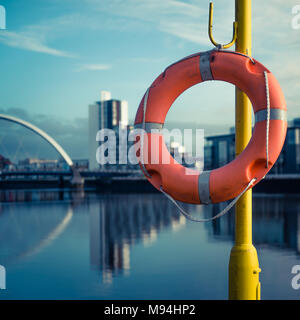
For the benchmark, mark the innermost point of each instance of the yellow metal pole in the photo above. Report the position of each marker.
(243, 265)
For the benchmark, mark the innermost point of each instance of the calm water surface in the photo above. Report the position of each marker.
(83, 245)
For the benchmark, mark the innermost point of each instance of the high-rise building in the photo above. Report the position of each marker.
(106, 113)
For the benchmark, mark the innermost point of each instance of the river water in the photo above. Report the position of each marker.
(84, 245)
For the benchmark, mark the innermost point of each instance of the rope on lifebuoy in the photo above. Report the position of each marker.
(268, 117)
(224, 211)
(143, 133)
(218, 185)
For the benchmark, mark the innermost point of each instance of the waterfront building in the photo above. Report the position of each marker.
(107, 113)
(178, 152)
(37, 164)
(220, 149)
(116, 226)
(4, 162)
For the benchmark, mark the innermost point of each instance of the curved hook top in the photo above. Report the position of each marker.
(210, 26)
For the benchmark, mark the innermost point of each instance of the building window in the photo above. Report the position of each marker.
(293, 136)
(222, 153)
(298, 155)
(208, 143)
(297, 136)
(208, 155)
(231, 150)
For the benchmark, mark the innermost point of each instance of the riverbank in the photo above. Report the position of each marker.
(271, 184)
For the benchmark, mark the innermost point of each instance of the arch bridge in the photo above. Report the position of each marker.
(76, 179)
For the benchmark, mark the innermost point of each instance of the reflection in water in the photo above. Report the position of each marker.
(26, 233)
(51, 236)
(276, 222)
(119, 221)
(41, 195)
(113, 229)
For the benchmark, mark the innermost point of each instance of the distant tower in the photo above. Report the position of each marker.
(105, 95)
(106, 113)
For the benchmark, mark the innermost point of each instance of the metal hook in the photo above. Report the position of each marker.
(210, 26)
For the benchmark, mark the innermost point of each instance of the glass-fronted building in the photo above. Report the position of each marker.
(220, 149)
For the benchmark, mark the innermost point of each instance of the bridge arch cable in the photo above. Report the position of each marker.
(40, 133)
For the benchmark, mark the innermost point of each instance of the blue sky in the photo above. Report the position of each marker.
(57, 55)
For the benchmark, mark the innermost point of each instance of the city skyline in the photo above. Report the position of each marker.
(132, 166)
(44, 58)
(72, 135)
(44, 53)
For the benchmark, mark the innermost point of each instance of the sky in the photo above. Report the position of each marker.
(57, 55)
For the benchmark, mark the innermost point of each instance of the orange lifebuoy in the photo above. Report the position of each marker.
(230, 180)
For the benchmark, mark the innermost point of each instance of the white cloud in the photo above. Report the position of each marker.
(147, 9)
(275, 43)
(31, 42)
(35, 37)
(177, 18)
(188, 31)
(93, 67)
(180, 19)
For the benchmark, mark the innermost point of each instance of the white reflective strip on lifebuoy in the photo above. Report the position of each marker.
(203, 187)
(275, 114)
(148, 126)
(205, 70)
